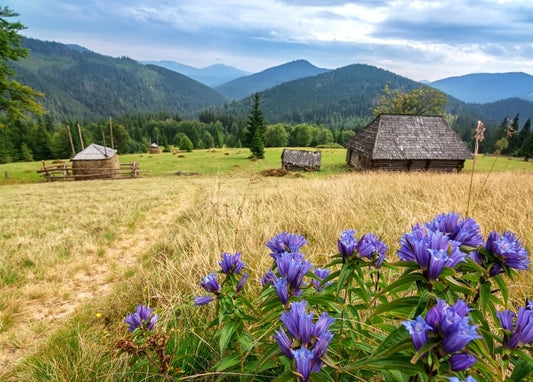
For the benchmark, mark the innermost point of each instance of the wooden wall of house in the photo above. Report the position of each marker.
(418, 165)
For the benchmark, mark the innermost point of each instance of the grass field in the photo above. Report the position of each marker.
(236, 162)
(78, 256)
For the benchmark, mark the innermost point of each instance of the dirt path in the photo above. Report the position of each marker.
(94, 279)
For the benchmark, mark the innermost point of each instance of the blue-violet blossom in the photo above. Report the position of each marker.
(142, 318)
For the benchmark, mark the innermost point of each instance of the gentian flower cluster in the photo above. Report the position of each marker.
(431, 249)
(231, 265)
(309, 341)
(368, 246)
(142, 319)
(518, 329)
(450, 326)
(285, 242)
(292, 267)
(502, 251)
(290, 264)
(465, 231)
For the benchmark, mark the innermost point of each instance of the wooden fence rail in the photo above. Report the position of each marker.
(64, 171)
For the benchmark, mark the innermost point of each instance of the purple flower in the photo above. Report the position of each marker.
(242, 281)
(518, 328)
(451, 324)
(468, 379)
(269, 278)
(509, 250)
(431, 250)
(280, 285)
(210, 283)
(304, 363)
(370, 247)
(418, 330)
(465, 231)
(285, 242)
(284, 342)
(321, 274)
(347, 244)
(231, 263)
(293, 268)
(461, 361)
(311, 339)
(142, 318)
(203, 300)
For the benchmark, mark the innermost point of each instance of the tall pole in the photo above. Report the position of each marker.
(71, 142)
(111, 133)
(81, 137)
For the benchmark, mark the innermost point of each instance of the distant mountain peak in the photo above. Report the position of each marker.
(212, 75)
(268, 78)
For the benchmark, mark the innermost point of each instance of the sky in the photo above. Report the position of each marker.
(421, 40)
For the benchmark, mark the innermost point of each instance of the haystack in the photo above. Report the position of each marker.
(96, 162)
(154, 149)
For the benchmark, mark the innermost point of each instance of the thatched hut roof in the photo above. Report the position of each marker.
(95, 152)
(409, 137)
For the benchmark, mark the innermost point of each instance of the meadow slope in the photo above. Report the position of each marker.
(77, 257)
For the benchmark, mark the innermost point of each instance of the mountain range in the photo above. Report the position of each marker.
(81, 84)
(211, 76)
(487, 87)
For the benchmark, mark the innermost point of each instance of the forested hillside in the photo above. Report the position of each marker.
(88, 86)
(152, 104)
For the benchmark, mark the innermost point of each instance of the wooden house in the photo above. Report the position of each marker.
(292, 160)
(407, 143)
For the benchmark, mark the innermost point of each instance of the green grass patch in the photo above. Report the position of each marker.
(237, 162)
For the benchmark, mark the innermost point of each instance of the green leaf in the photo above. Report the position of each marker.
(522, 369)
(285, 376)
(503, 288)
(227, 362)
(393, 343)
(226, 333)
(398, 305)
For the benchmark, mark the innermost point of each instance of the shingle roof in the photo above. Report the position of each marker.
(95, 152)
(408, 137)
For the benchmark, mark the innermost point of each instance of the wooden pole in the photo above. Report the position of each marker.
(81, 137)
(71, 142)
(111, 133)
(105, 149)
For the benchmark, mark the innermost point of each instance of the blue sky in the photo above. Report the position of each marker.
(422, 40)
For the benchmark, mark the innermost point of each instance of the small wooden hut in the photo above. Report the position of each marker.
(294, 160)
(154, 149)
(407, 143)
(96, 162)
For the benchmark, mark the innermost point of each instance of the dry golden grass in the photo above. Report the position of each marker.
(151, 241)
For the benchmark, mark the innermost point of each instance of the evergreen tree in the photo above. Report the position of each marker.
(185, 144)
(16, 100)
(256, 129)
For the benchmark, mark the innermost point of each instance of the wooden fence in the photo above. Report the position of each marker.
(64, 171)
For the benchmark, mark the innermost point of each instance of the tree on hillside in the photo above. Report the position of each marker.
(255, 129)
(16, 100)
(420, 101)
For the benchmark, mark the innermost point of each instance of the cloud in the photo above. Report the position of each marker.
(421, 39)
